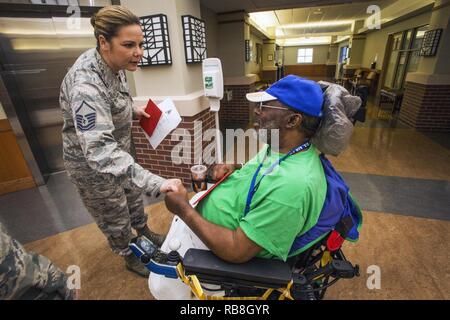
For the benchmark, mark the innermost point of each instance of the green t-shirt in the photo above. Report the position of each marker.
(287, 203)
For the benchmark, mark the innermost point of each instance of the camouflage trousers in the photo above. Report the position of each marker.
(114, 208)
(27, 275)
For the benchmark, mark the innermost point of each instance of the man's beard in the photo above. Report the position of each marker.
(269, 133)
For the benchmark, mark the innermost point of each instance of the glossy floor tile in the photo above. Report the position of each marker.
(399, 195)
(394, 152)
(412, 254)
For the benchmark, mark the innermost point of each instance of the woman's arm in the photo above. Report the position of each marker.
(99, 146)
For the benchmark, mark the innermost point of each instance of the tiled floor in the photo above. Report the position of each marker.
(400, 177)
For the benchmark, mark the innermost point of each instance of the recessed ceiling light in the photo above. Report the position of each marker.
(318, 11)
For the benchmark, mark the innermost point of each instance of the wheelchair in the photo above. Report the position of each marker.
(316, 261)
(305, 276)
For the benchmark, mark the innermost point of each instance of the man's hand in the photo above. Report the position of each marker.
(139, 112)
(171, 185)
(178, 202)
(219, 170)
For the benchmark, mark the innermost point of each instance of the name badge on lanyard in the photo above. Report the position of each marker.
(255, 185)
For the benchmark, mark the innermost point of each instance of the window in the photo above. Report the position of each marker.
(343, 55)
(305, 55)
(404, 56)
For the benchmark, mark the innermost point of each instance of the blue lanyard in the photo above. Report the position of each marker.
(255, 185)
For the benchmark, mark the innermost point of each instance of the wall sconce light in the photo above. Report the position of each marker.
(430, 42)
(194, 39)
(156, 41)
(247, 50)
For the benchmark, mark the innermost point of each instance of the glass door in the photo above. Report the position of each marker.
(396, 41)
(404, 56)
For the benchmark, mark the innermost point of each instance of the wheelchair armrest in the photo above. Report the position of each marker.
(257, 272)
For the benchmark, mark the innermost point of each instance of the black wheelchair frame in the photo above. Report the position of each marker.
(306, 276)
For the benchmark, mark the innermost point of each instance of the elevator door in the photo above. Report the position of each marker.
(36, 55)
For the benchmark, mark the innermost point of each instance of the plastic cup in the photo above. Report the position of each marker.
(198, 176)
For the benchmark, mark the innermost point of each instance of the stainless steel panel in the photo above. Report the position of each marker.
(37, 53)
(20, 135)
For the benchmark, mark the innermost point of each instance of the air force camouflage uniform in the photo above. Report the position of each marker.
(97, 111)
(26, 275)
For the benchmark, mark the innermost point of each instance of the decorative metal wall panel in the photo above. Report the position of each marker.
(156, 41)
(247, 50)
(430, 42)
(194, 39)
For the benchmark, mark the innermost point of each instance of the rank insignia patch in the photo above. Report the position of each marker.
(86, 117)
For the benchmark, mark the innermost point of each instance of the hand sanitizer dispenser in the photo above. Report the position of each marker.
(213, 86)
(213, 81)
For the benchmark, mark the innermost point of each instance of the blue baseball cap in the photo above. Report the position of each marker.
(295, 92)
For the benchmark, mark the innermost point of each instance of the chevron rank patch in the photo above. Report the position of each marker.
(86, 117)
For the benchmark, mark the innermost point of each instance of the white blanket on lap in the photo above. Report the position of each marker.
(163, 288)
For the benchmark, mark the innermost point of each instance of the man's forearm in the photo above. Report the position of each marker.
(220, 240)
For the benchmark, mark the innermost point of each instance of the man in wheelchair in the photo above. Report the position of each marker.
(278, 207)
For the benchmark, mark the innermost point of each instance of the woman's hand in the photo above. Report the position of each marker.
(171, 185)
(178, 202)
(139, 112)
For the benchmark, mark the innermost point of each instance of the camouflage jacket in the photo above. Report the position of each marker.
(97, 110)
(26, 275)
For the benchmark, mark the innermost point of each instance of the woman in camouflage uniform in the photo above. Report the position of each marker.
(97, 110)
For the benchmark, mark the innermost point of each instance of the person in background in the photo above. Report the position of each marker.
(27, 275)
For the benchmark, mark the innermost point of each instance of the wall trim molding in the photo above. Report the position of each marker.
(191, 104)
(352, 66)
(188, 105)
(441, 6)
(242, 80)
(428, 79)
(16, 185)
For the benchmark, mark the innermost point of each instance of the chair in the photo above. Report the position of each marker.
(392, 97)
(358, 74)
(367, 81)
(348, 78)
(363, 93)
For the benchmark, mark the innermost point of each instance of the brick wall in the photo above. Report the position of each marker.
(236, 112)
(159, 161)
(426, 107)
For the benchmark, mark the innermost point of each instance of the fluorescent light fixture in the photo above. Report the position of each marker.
(29, 32)
(304, 41)
(279, 33)
(41, 27)
(315, 24)
(264, 19)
